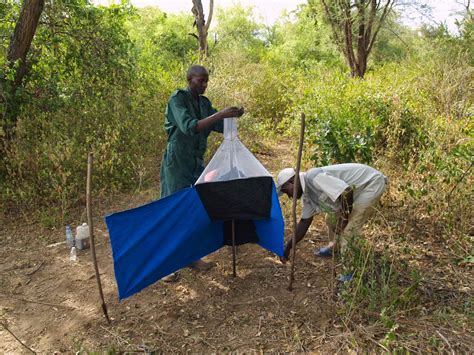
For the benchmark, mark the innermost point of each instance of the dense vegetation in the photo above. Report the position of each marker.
(99, 78)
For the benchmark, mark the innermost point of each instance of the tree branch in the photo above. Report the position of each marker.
(334, 25)
(209, 18)
(387, 9)
(372, 15)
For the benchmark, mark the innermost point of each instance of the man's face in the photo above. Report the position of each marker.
(198, 83)
(288, 186)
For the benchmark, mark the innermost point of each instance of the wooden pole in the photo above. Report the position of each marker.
(295, 194)
(91, 235)
(333, 266)
(234, 271)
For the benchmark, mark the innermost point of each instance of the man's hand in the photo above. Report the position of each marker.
(347, 199)
(213, 119)
(232, 112)
(341, 222)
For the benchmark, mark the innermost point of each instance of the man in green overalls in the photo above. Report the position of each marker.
(190, 118)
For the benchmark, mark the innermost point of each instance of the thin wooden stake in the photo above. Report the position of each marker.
(333, 266)
(295, 193)
(17, 339)
(234, 271)
(91, 235)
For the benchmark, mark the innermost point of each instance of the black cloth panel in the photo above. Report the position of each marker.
(248, 199)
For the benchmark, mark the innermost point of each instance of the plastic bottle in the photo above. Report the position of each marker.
(82, 236)
(69, 237)
(73, 255)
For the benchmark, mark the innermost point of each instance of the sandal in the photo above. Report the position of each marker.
(345, 278)
(325, 252)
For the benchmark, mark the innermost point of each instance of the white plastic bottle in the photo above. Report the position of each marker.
(82, 236)
(69, 237)
(73, 255)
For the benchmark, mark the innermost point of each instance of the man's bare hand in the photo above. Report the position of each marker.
(232, 112)
(213, 119)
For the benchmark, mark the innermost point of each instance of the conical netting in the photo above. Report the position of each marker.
(232, 160)
(235, 185)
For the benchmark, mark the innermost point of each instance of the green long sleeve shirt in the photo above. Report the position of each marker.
(183, 158)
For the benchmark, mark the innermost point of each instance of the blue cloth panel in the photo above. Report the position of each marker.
(271, 232)
(156, 239)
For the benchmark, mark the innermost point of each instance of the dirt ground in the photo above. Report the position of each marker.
(52, 304)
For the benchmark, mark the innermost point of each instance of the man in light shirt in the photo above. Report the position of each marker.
(347, 193)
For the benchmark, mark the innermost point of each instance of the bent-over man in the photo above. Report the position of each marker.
(347, 193)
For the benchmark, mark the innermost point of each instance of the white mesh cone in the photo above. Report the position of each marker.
(232, 160)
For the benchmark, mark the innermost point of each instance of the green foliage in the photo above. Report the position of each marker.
(258, 87)
(9, 10)
(82, 94)
(378, 286)
(302, 43)
(342, 125)
(395, 43)
(351, 120)
(237, 29)
(162, 39)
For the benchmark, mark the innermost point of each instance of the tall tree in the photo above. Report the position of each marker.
(355, 25)
(202, 25)
(20, 44)
(23, 36)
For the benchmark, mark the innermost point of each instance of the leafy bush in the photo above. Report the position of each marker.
(84, 93)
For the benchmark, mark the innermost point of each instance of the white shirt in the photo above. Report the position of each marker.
(322, 187)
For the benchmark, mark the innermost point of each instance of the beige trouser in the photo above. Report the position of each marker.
(361, 213)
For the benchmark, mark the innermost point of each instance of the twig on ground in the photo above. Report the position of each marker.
(320, 266)
(156, 326)
(257, 300)
(369, 336)
(55, 244)
(39, 267)
(38, 302)
(446, 341)
(13, 335)
(123, 340)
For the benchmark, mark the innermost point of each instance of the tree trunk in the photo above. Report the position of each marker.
(202, 25)
(20, 44)
(361, 19)
(23, 36)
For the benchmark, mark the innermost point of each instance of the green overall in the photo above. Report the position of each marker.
(183, 159)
